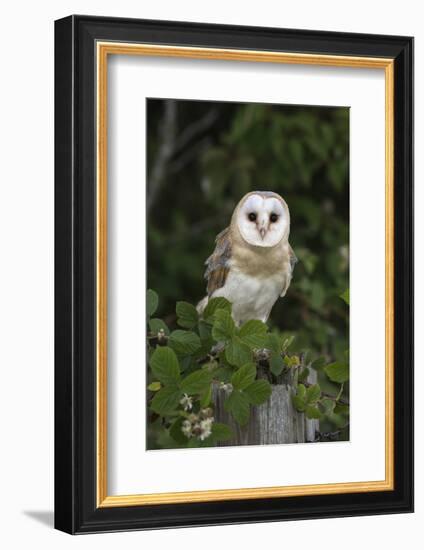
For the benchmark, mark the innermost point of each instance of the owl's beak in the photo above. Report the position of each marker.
(262, 232)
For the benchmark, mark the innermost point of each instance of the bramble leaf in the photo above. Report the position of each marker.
(258, 392)
(214, 304)
(341, 408)
(274, 343)
(156, 325)
(152, 301)
(237, 353)
(303, 375)
(176, 433)
(197, 382)
(244, 376)
(328, 405)
(184, 342)
(292, 361)
(313, 393)
(187, 315)
(164, 365)
(223, 326)
(345, 296)
(319, 363)
(276, 364)
(299, 399)
(337, 372)
(312, 411)
(221, 432)
(339, 420)
(287, 343)
(238, 404)
(206, 397)
(253, 333)
(166, 400)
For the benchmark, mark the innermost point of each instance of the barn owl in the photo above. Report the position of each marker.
(253, 262)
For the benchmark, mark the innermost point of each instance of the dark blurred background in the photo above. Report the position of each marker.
(204, 156)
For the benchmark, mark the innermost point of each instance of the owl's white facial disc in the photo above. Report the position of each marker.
(262, 221)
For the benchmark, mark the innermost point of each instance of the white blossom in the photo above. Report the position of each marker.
(205, 428)
(198, 425)
(206, 413)
(186, 428)
(228, 388)
(186, 402)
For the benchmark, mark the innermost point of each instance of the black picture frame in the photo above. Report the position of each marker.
(76, 510)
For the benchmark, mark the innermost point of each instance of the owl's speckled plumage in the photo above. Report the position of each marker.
(253, 262)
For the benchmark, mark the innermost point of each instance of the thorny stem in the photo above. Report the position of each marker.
(340, 392)
(262, 362)
(329, 396)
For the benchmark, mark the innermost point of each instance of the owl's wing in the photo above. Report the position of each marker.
(218, 262)
(293, 259)
(292, 262)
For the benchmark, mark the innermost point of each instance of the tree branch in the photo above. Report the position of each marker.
(196, 128)
(166, 150)
(171, 145)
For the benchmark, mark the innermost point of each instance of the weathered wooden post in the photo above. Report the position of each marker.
(273, 422)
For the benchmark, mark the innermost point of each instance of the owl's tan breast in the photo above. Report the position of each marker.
(261, 262)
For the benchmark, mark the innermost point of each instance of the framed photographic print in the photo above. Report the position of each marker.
(233, 228)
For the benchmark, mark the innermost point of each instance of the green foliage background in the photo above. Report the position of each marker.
(204, 156)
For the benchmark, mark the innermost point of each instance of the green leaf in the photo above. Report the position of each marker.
(237, 353)
(312, 411)
(205, 332)
(164, 365)
(187, 363)
(223, 374)
(166, 400)
(299, 400)
(152, 301)
(196, 443)
(299, 403)
(214, 304)
(328, 405)
(341, 408)
(254, 334)
(287, 343)
(238, 404)
(291, 362)
(176, 433)
(337, 372)
(345, 296)
(156, 325)
(319, 363)
(244, 376)
(258, 392)
(337, 419)
(154, 386)
(313, 393)
(276, 364)
(274, 343)
(303, 375)
(184, 342)
(221, 432)
(301, 391)
(223, 326)
(206, 397)
(197, 382)
(187, 315)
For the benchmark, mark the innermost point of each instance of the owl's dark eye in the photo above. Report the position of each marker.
(273, 218)
(252, 216)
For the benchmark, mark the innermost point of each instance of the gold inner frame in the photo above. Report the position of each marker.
(104, 49)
